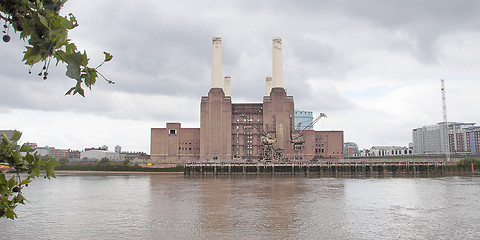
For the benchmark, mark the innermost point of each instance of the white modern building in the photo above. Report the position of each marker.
(381, 151)
(99, 154)
(385, 151)
(442, 138)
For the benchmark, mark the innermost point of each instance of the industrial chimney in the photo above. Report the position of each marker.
(217, 63)
(277, 63)
(268, 86)
(227, 87)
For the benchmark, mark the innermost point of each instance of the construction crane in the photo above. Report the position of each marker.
(268, 152)
(445, 123)
(297, 137)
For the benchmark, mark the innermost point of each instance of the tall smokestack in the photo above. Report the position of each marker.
(226, 87)
(268, 86)
(277, 63)
(217, 63)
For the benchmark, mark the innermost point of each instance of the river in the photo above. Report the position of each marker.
(154, 206)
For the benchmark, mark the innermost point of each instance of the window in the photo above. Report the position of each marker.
(172, 131)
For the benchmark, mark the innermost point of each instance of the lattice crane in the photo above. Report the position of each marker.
(297, 137)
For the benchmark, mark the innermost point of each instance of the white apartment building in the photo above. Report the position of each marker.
(439, 138)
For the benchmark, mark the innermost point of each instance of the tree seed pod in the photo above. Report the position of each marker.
(6, 38)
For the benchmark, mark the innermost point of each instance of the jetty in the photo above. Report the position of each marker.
(324, 168)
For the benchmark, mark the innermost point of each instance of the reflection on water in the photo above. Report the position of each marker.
(90, 206)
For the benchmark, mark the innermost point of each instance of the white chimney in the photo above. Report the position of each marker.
(277, 63)
(226, 87)
(217, 63)
(268, 86)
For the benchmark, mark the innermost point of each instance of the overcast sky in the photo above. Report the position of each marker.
(374, 67)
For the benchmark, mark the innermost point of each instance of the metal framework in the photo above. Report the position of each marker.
(297, 137)
(445, 123)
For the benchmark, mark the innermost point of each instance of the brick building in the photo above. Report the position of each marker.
(232, 132)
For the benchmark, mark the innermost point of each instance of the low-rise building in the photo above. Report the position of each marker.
(381, 151)
(350, 149)
(99, 154)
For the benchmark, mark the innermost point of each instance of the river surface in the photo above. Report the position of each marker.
(152, 206)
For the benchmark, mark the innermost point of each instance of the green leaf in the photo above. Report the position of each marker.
(70, 91)
(25, 181)
(50, 167)
(75, 58)
(10, 214)
(11, 182)
(35, 172)
(20, 198)
(84, 59)
(108, 56)
(43, 20)
(25, 148)
(3, 180)
(73, 71)
(70, 48)
(16, 136)
(32, 55)
(78, 89)
(90, 76)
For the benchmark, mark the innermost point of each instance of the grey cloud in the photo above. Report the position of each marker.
(424, 20)
(160, 53)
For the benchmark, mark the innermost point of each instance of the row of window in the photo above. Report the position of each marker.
(247, 120)
(318, 150)
(187, 149)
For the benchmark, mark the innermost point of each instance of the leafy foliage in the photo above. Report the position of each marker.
(104, 161)
(126, 162)
(39, 23)
(468, 162)
(63, 161)
(21, 159)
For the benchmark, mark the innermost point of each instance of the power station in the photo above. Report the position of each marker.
(241, 132)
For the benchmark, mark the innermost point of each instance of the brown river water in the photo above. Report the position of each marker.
(153, 206)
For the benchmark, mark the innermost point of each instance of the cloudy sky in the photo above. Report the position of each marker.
(374, 67)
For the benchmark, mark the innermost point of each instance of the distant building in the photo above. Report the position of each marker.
(99, 154)
(382, 151)
(118, 149)
(45, 151)
(132, 155)
(8, 133)
(241, 132)
(350, 149)
(104, 148)
(52, 152)
(60, 153)
(74, 154)
(453, 137)
(303, 119)
(32, 145)
(473, 140)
